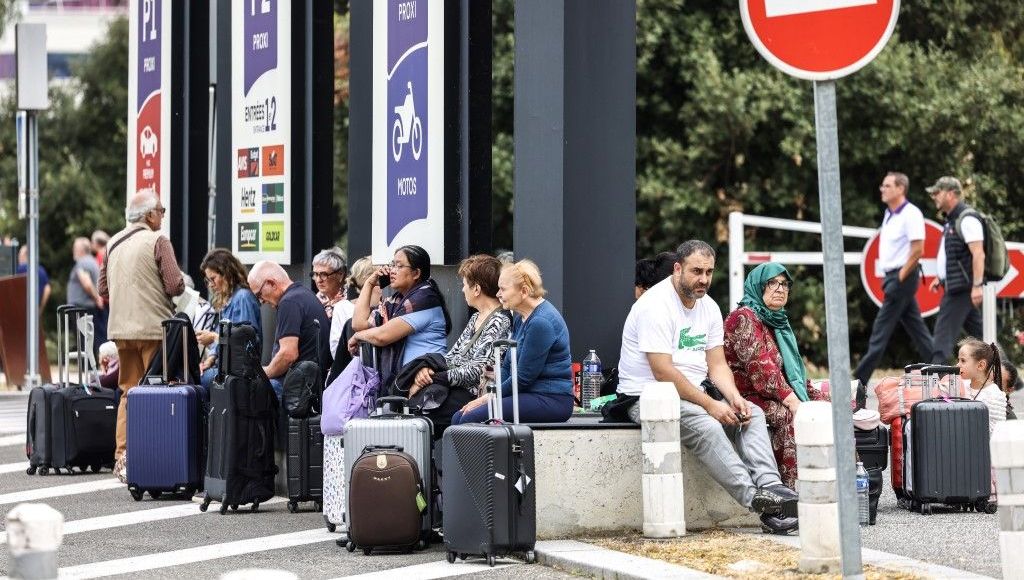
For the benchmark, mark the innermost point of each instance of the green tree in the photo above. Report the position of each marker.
(82, 157)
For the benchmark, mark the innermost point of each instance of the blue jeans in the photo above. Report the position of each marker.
(278, 387)
(533, 408)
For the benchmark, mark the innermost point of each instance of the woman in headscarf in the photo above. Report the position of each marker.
(411, 322)
(761, 350)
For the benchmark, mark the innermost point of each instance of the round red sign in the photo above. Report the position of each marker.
(819, 40)
(871, 274)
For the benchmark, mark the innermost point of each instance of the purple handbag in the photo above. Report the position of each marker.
(350, 396)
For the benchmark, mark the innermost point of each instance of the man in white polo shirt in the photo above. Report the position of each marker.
(674, 334)
(900, 245)
(960, 266)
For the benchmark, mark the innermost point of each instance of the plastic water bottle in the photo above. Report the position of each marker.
(592, 379)
(863, 486)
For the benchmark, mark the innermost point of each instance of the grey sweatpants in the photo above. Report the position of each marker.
(739, 468)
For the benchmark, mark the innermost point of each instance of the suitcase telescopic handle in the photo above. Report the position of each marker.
(915, 367)
(167, 325)
(495, 410)
(393, 400)
(370, 448)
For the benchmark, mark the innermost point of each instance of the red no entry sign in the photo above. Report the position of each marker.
(871, 275)
(819, 40)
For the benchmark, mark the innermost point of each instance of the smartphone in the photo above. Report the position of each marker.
(384, 280)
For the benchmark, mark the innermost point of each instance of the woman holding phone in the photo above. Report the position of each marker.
(412, 322)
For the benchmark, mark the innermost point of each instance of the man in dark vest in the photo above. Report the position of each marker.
(960, 268)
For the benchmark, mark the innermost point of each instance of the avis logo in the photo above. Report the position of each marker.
(148, 143)
(248, 237)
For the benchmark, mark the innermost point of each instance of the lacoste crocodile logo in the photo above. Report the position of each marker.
(687, 342)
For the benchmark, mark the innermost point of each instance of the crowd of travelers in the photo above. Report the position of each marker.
(740, 378)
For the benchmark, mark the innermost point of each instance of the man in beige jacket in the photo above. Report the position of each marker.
(139, 277)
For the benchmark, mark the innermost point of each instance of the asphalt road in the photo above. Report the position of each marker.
(107, 534)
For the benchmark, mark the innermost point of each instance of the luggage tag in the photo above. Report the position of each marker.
(421, 502)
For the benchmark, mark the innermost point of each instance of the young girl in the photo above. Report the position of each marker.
(1011, 380)
(982, 372)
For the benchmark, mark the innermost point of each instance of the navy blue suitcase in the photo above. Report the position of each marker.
(166, 434)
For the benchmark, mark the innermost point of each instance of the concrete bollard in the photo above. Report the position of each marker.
(1007, 446)
(34, 532)
(663, 468)
(816, 483)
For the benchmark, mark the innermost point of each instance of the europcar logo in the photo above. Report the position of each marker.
(248, 237)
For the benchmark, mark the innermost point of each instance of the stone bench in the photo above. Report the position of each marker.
(589, 480)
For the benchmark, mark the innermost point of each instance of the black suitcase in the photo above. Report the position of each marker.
(305, 462)
(242, 425)
(947, 458)
(490, 502)
(70, 425)
(873, 447)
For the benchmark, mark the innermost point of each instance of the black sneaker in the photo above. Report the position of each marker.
(775, 500)
(778, 525)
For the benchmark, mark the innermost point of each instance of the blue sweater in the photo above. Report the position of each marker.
(544, 359)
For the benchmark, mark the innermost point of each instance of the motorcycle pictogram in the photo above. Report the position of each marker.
(407, 128)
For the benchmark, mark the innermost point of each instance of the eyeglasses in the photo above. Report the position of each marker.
(775, 284)
(259, 293)
(936, 193)
(397, 266)
(160, 210)
(322, 275)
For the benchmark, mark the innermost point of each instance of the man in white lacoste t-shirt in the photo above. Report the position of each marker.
(674, 334)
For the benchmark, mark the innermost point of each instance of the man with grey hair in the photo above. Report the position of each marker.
(83, 288)
(139, 277)
(295, 338)
(674, 333)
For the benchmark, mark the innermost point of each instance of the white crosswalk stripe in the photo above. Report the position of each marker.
(12, 414)
(192, 555)
(14, 467)
(60, 490)
(430, 571)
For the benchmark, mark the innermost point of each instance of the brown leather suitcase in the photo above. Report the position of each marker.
(385, 501)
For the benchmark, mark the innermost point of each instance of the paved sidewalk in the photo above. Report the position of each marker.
(583, 558)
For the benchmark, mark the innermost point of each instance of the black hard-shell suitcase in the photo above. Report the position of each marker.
(947, 458)
(70, 425)
(242, 425)
(487, 488)
(873, 447)
(305, 462)
(167, 422)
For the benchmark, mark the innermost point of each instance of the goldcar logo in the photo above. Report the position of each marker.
(273, 236)
(248, 237)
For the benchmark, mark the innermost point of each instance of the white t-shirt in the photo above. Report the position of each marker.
(659, 323)
(995, 400)
(898, 230)
(972, 231)
(342, 312)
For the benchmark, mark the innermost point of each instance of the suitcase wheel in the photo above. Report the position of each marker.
(462, 557)
(31, 470)
(421, 545)
(154, 494)
(136, 494)
(293, 507)
(531, 557)
(350, 546)
(317, 506)
(331, 527)
(223, 508)
(234, 507)
(254, 508)
(926, 509)
(451, 557)
(44, 471)
(95, 468)
(205, 505)
(367, 551)
(491, 560)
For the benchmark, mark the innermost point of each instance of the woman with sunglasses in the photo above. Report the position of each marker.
(231, 297)
(762, 353)
(412, 322)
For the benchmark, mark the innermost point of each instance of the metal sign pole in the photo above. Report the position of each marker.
(32, 378)
(836, 323)
(211, 227)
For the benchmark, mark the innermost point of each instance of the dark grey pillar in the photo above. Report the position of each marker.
(360, 129)
(575, 174)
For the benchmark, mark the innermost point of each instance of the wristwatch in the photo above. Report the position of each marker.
(979, 284)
